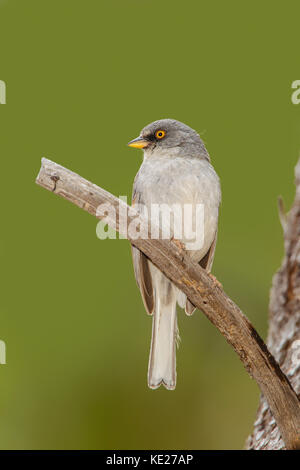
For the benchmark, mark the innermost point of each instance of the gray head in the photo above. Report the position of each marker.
(168, 137)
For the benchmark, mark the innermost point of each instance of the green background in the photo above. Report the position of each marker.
(83, 77)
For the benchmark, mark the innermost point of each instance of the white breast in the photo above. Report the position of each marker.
(182, 181)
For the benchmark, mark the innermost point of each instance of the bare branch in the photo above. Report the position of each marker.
(201, 290)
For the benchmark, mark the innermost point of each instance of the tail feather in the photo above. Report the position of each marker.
(162, 361)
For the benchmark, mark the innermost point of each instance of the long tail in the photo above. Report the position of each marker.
(162, 360)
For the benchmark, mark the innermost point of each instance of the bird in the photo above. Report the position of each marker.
(176, 169)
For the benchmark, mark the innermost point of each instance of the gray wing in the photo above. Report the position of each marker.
(207, 260)
(206, 263)
(143, 278)
(141, 265)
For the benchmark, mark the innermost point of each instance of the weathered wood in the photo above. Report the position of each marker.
(284, 323)
(199, 287)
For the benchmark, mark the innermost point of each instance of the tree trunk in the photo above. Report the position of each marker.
(284, 324)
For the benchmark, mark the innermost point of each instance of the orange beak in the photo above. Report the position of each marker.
(139, 143)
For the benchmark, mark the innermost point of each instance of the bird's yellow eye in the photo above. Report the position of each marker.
(160, 134)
